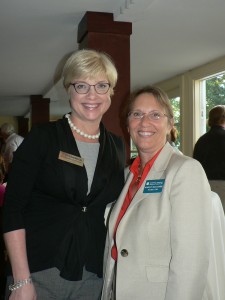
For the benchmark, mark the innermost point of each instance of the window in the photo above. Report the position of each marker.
(212, 94)
(175, 102)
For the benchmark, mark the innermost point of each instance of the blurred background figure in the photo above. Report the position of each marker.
(210, 151)
(2, 177)
(12, 142)
(2, 144)
(2, 248)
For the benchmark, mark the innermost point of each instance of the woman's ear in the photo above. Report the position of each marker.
(68, 91)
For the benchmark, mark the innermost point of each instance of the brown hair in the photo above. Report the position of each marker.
(217, 115)
(173, 134)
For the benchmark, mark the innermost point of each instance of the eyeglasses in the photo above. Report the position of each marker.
(84, 88)
(152, 115)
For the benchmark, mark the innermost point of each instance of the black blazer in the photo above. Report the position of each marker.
(46, 195)
(210, 152)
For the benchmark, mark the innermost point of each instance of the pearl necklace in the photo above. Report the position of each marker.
(73, 127)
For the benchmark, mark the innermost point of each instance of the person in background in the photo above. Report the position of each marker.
(158, 240)
(12, 142)
(2, 247)
(2, 143)
(2, 179)
(209, 150)
(62, 177)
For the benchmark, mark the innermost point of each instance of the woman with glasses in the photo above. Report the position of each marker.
(62, 178)
(158, 241)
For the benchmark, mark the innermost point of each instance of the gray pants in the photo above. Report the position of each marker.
(49, 285)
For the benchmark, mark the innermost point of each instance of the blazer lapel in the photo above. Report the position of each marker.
(74, 175)
(117, 207)
(157, 172)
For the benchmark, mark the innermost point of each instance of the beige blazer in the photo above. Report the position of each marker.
(164, 238)
(215, 288)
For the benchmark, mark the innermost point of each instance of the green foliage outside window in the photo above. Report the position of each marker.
(215, 95)
(175, 102)
(215, 92)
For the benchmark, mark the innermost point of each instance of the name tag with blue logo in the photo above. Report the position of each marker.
(153, 186)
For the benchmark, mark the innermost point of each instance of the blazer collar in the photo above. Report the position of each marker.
(155, 173)
(163, 159)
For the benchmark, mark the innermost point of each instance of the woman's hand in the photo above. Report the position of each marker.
(26, 292)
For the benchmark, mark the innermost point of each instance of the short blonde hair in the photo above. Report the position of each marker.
(89, 64)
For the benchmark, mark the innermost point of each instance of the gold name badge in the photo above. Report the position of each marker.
(76, 160)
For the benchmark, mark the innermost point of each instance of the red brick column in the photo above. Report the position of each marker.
(39, 109)
(99, 31)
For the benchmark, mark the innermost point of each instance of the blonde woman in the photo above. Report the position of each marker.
(62, 177)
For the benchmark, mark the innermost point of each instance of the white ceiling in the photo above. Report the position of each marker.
(169, 37)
